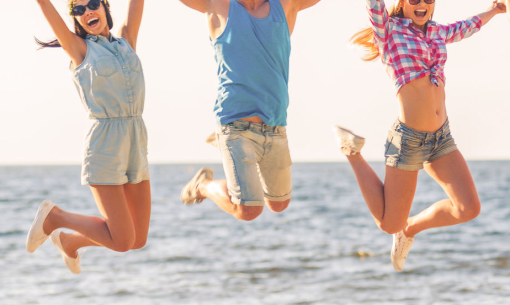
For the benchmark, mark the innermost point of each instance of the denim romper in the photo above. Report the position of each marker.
(111, 86)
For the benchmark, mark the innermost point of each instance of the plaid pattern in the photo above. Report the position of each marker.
(407, 52)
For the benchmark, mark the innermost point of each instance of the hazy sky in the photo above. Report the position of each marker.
(43, 120)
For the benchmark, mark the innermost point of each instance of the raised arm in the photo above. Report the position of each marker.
(199, 5)
(72, 44)
(498, 7)
(216, 12)
(379, 18)
(457, 31)
(293, 7)
(129, 30)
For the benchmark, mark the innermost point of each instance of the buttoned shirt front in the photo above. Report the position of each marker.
(407, 52)
(110, 79)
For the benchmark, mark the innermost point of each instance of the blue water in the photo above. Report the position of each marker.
(324, 249)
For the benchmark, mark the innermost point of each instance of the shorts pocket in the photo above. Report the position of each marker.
(412, 142)
(231, 132)
(393, 145)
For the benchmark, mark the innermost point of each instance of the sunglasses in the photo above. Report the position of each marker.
(416, 2)
(79, 10)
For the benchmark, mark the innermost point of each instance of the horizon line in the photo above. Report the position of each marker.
(220, 163)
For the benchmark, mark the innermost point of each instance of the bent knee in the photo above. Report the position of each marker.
(139, 243)
(470, 212)
(278, 206)
(247, 213)
(392, 227)
(123, 246)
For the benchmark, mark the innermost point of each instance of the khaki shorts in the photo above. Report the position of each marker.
(257, 162)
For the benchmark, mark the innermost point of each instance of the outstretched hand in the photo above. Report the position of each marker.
(498, 6)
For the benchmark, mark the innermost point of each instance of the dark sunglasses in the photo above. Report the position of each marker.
(416, 2)
(79, 10)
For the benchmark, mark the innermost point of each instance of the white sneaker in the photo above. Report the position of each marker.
(401, 246)
(72, 264)
(189, 193)
(36, 235)
(347, 139)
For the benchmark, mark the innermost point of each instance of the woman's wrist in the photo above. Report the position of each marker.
(497, 8)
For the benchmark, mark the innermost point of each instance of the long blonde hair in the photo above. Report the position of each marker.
(366, 39)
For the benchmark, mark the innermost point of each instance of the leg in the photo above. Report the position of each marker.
(138, 198)
(463, 205)
(217, 191)
(241, 195)
(116, 231)
(275, 170)
(277, 206)
(389, 203)
(139, 202)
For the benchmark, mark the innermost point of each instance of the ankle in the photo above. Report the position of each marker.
(67, 245)
(351, 156)
(409, 230)
(202, 189)
(49, 224)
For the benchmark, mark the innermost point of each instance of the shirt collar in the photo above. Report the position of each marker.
(409, 22)
(95, 38)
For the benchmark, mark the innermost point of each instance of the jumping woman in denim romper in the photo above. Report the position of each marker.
(413, 50)
(110, 82)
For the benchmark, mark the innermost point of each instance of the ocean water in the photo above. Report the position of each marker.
(324, 249)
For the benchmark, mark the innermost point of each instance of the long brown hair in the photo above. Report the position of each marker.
(78, 29)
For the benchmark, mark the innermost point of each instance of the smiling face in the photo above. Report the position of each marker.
(419, 13)
(93, 22)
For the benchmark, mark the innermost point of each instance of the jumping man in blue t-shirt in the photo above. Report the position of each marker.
(251, 40)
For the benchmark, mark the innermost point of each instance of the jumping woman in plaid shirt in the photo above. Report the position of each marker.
(413, 50)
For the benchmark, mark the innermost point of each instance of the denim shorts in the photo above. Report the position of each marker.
(256, 160)
(408, 149)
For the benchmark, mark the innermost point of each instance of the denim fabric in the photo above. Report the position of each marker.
(257, 162)
(408, 149)
(111, 86)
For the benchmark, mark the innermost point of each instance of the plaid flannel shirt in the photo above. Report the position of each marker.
(407, 52)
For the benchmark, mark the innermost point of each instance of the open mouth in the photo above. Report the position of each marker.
(93, 22)
(420, 13)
